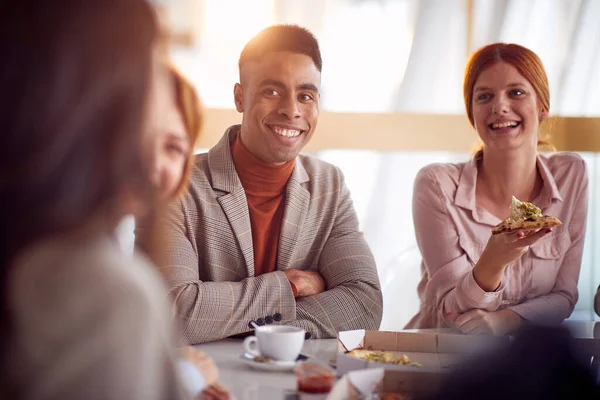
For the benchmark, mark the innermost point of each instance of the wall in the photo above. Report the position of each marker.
(407, 132)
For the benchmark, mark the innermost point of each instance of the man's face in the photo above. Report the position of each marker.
(279, 99)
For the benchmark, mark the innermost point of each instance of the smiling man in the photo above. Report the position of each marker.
(266, 235)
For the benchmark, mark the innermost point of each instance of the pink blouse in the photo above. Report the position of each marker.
(452, 232)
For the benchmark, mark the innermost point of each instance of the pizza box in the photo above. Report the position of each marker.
(437, 352)
(433, 349)
(359, 385)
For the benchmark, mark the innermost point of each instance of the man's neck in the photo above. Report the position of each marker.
(255, 174)
(242, 138)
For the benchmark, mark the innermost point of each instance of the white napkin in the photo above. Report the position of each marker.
(192, 378)
(364, 381)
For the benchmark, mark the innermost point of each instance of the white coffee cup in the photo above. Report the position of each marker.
(281, 343)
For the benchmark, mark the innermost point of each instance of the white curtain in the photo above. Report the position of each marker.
(400, 55)
(566, 36)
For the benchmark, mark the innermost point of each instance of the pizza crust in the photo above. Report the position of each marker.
(511, 226)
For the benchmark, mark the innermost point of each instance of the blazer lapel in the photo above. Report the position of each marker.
(297, 200)
(235, 207)
(234, 203)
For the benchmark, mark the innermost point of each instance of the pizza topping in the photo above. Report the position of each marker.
(521, 210)
(524, 217)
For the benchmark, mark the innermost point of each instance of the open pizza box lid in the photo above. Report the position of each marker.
(434, 350)
(437, 353)
(363, 384)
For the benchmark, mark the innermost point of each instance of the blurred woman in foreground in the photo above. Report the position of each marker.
(79, 318)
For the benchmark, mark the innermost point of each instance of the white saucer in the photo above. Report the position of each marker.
(273, 366)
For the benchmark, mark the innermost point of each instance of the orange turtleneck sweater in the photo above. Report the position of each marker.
(264, 185)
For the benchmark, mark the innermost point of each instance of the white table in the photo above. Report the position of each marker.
(249, 384)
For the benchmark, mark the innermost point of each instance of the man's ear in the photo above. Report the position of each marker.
(238, 97)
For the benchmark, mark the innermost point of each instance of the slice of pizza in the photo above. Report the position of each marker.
(524, 217)
(384, 357)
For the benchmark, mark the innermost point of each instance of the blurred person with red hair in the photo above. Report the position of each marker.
(493, 284)
(176, 137)
(174, 132)
(173, 135)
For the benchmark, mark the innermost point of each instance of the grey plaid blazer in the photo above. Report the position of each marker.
(209, 260)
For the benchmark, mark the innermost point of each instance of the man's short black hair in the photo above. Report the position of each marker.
(292, 38)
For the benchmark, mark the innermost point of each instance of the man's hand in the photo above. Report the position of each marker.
(308, 283)
(204, 363)
(481, 322)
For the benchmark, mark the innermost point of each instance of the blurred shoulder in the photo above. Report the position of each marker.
(95, 273)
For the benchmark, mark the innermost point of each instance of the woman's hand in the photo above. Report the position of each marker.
(500, 251)
(204, 363)
(215, 392)
(481, 322)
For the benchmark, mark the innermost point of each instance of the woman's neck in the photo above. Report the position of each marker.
(506, 174)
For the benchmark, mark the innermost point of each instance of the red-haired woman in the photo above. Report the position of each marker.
(173, 133)
(175, 136)
(485, 284)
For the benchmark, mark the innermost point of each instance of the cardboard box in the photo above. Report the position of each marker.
(359, 385)
(436, 351)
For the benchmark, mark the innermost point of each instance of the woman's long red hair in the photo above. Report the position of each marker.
(524, 60)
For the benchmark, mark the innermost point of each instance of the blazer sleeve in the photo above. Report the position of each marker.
(353, 299)
(209, 311)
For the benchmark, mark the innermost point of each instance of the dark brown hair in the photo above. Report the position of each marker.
(524, 60)
(292, 38)
(73, 88)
